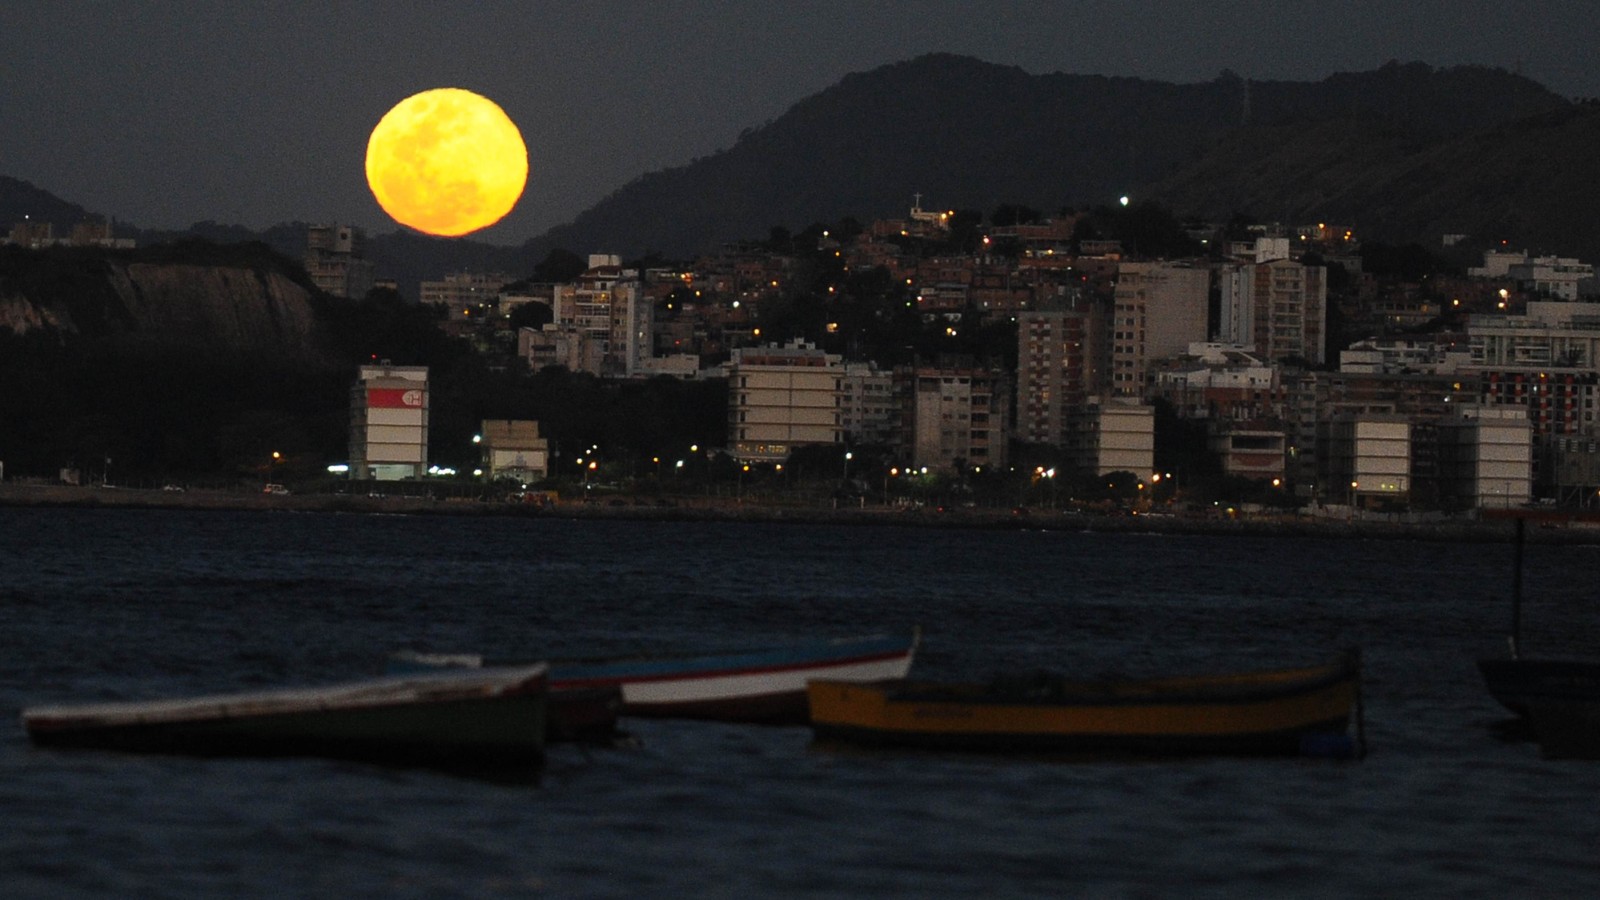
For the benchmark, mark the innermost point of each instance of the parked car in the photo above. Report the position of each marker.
(274, 489)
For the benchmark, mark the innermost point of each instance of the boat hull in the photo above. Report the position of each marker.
(453, 721)
(1249, 714)
(762, 686)
(754, 688)
(1566, 729)
(1559, 699)
(1517, 682)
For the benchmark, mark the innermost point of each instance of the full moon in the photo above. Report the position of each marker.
(446, 162)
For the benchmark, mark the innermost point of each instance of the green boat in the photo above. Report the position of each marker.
(468, 720)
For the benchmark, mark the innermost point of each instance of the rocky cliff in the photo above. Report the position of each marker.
(251, 306)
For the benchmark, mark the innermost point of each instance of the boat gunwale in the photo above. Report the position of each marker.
(665, 667)
(1236, 688)
(394, 692)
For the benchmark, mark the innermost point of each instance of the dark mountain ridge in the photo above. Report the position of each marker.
(969, 134)
(1402, 152)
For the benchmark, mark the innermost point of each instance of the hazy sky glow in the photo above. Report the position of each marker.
(166, 113)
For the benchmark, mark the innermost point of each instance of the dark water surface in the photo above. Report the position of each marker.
(109, 605)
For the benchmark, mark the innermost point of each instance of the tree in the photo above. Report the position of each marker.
(532, 314)
(560, 266)
(1008, 214)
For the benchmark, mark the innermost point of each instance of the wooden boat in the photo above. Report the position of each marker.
(766, 685)
(459, 720)
(1558, 699)
(1289, 711)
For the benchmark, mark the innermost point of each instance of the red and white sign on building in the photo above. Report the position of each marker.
(394, 398)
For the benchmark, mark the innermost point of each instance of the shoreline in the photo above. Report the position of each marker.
(1550, 527)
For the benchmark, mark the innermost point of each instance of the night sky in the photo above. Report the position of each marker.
(166, 113)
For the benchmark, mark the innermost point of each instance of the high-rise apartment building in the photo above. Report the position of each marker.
(1158, 310)
(1056, 370)
(958, 417)
(1278, 309)
(609, 305)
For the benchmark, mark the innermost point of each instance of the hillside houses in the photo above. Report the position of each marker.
(948, 347)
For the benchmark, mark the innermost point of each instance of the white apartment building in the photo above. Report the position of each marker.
(1364, 456)
(466, 295)
(780, 398)
(608, 304)
(1486, 457)
(1116, 434)
(1395, 356)
(1556, 277)
(1550, 334)
(389, 423)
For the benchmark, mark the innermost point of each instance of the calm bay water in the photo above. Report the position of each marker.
(111, 604)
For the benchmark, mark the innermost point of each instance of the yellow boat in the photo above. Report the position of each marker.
(1286, 711)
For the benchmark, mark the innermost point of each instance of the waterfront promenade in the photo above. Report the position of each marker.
(1551, 526)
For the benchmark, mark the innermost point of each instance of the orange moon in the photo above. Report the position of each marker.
(446, 162)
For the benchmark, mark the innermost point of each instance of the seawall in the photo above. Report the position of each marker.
(1546, 528)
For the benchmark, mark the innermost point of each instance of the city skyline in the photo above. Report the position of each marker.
(253, 117)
